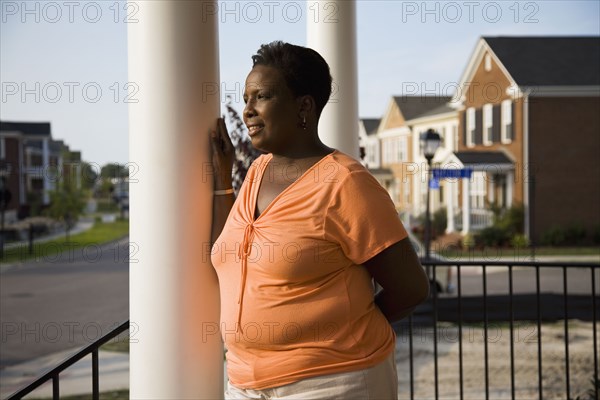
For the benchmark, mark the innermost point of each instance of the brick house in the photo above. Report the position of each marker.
(397, 147)
(529, 126)
(30, 161)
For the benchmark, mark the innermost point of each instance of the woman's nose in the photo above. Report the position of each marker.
(249, 109)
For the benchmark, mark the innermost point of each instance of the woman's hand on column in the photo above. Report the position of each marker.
(223, 155)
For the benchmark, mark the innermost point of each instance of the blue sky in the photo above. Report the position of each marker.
(67, 64)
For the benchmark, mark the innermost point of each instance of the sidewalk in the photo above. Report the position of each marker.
(77, 379)
(82, 225)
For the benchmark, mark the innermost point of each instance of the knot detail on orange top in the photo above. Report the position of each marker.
(244, 252)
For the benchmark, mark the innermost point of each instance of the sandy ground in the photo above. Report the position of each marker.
(525, 340)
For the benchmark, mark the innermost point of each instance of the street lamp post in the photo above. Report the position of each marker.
(430, 141)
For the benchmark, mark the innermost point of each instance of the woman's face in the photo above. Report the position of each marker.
(272, 112)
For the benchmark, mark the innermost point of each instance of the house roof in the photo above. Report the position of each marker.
(550, 60)
(27, 128)
(443, 109)
(482, 157)
(413, 106)
(371, 125)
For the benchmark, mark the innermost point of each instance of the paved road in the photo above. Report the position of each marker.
(63, 301)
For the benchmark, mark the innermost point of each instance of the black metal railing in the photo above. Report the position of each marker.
(472, 302)
(555, 304)
(54, 373)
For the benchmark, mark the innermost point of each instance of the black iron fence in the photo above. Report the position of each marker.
(485, 293)
(504, 294)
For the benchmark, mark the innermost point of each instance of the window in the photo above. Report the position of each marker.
(402, 149)
(488, 123)
(406, 191)
(507, 124)
(371, 149)
(478, 190)
(395, 150)
(488, 62)
(470, 127)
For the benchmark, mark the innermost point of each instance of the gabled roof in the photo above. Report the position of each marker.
(371, 125)
(413, 106)
(27, 128)
(482, 157)
(443, 109)
(549, 61)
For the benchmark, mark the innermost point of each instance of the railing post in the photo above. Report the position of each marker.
(55, 388)
(95, 376)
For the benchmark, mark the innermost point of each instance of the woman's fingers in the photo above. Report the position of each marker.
(224, 134)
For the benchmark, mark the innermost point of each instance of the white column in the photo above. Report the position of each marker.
(176, 351)
(450, 183)
(331, 31)
(46, 170)
(466, 207)
(510, 182)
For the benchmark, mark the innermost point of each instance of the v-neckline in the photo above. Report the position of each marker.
(262, 175)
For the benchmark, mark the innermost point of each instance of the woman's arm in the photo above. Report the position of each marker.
(223, 154)
(405, 285)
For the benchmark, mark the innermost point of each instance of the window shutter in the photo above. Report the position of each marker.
(497, 123)
(510, 129)
(478, 139)
(463, 130)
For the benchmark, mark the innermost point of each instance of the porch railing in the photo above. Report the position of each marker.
(480, 218)
(54, 373)
(529, 304)
(486, 293)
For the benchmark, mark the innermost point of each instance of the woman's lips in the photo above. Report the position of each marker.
(254, 130)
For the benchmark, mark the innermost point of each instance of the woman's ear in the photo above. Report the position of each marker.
(306, 104)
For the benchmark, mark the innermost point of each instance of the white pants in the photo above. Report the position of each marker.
(377, 382)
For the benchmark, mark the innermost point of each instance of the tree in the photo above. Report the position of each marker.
(114, 170)
(245, 154)
(66, 203)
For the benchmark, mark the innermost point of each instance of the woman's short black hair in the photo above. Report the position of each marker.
(304, 70)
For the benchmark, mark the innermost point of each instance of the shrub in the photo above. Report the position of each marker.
(554, 236)
(439, 222)
(574, 234)
(596, 235)
(519, 241)
(468, 241)
(493, 236)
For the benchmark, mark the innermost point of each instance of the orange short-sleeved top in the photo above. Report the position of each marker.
(295, 300)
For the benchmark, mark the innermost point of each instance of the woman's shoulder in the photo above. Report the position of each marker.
(347, 165)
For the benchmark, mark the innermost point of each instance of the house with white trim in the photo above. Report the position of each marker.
(397, 154)
(529, 126)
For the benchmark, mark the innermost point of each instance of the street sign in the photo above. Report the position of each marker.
(440, 173)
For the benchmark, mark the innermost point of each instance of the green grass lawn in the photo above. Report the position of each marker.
(98, 234)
